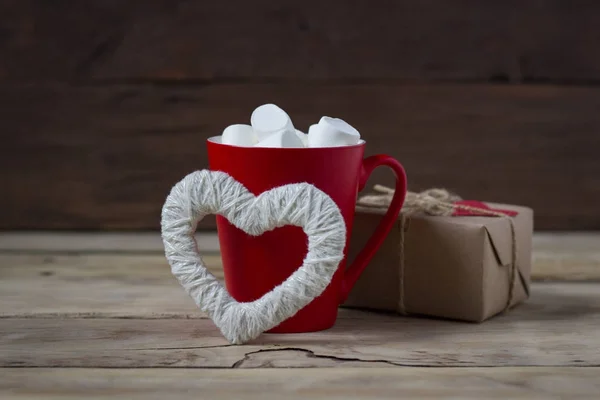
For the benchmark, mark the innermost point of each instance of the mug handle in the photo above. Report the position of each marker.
(366, 254)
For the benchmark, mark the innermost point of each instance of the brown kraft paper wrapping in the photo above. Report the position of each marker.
(455, 267)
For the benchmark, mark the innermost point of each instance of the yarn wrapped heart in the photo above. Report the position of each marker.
(213, 192)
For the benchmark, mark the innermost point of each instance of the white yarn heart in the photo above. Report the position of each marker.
(213, 192)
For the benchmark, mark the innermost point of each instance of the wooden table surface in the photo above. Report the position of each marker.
(100, 316)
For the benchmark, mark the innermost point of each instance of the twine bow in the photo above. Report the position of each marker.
(432, 201)
(436, 202)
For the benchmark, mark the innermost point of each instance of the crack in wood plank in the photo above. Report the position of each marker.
(525, 337)
(266, 363)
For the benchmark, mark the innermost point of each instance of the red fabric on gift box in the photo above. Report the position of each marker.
(478, 204)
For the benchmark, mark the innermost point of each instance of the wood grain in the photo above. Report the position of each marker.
(95, 284)
(105, 157)
(377, 383)
(569, 256)
(557, 326)
(114, 243)
(65, 273)
(566, 256)
(397, 40)
(101, 318)
(70, 274)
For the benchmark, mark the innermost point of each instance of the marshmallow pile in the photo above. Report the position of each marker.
(270, 126)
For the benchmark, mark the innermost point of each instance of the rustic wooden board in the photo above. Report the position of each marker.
(105, 157)
(114, 243)
(94, 284)
(560, 255)
(569, 256)
(62, 273)
(377, 383)
(397, 40)
(99, 316)
(558, 326)
(566, 256)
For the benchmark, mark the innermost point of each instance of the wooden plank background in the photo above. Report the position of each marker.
(62, 336)
(301, 383)
(106, 104)
(54, 300)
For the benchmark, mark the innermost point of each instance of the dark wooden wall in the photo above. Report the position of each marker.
(104, 105)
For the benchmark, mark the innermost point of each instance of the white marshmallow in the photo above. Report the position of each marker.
(239, 135)
(303, 137)
(281, 139)
(332, 132)
(269, 119)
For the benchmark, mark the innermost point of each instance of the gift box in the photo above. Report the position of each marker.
(449, 258)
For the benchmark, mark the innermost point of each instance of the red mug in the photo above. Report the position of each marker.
(253, 266)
